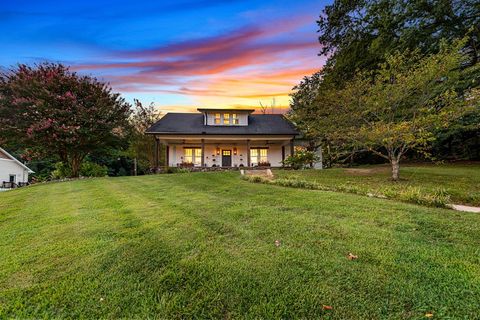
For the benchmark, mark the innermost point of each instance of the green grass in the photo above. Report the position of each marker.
(203, 245)
(456, 183)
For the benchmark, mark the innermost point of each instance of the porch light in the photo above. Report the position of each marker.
(235, 150)
(217, 151)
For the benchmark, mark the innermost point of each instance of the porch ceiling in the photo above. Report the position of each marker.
(225, 142)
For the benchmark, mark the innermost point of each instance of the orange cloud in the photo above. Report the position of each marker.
(241, 67)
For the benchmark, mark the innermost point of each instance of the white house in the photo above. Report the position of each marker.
(224, 138)
(12, 172)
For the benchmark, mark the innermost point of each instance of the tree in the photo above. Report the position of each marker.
(358, 34)
(396, 109)
(142, 146)
(50, 110)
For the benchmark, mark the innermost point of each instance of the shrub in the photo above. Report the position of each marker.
(87, 169)
(186, 165)
(92, 169)
(437, 198)
(264, 164)
(300, 159)
(177, 170)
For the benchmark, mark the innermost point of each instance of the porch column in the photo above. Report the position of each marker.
(248, 153)
(155, 155)
(292, 150)
(203, 152)
(167, 155)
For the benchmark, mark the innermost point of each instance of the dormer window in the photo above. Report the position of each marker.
(226, 118)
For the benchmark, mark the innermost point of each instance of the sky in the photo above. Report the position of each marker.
(179, 55)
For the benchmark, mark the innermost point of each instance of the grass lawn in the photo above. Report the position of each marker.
(460, 181)
(203, 245)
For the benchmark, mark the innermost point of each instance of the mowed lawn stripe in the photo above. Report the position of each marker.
(203, 245)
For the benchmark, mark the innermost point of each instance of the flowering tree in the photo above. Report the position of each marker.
(51, 110)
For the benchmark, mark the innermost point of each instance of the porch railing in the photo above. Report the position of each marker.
(13, 185)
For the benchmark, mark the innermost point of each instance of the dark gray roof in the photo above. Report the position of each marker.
(192, 123)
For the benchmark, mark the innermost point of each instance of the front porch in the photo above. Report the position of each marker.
(223, 152)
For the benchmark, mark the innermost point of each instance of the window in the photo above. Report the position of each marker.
(234, 118)
(217, 118)
(226, 118)
(193, 155)
(258, 155)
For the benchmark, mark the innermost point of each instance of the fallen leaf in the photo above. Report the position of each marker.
(351, 256)
(429, 315)
(327, 307)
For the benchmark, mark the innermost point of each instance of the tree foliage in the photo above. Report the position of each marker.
(358, 34)
(301, 159)
(142, 146)
(396, 108)
(51, 110)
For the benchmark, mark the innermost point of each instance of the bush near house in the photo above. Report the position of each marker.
(87, 169)
(300, 159)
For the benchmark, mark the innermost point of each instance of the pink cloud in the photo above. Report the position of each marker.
(254, 62)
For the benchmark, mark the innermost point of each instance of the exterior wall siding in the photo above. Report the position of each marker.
(274, 153)
(8, 167)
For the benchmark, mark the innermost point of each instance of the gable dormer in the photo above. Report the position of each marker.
(225, 117)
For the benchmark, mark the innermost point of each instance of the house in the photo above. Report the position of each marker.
(224, 138)
(13, 173)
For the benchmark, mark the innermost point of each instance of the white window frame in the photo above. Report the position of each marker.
(235, 119)
(226, 120)
(195, 157)
(217, 120)
(257, 157)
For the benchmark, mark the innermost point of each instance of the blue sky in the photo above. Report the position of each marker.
(178, 54)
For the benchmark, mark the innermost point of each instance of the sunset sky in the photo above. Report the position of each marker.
(178, 54)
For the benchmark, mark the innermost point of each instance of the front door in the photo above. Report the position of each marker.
(226, 158)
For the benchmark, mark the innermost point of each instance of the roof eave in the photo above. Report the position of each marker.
(230, 110)
(16, 160)
(223, 134)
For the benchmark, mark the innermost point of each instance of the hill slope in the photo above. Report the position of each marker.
(203, 245)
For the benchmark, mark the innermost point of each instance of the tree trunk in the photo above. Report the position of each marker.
(75, 163)
(395, 169)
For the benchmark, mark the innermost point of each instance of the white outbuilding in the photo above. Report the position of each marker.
(13, 173)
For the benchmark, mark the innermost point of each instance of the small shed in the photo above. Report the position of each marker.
(13, 173)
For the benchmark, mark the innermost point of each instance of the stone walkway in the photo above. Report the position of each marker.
(460, 207)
